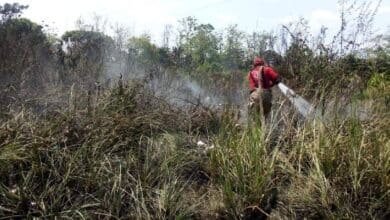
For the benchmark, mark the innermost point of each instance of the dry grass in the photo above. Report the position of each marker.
(128, 154)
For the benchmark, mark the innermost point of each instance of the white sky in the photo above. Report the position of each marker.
(152, 15)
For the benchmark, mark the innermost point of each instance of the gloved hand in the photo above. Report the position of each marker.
(278, 80)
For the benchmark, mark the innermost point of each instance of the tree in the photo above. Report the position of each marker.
(356, 25)
(199, 45)
(9, 11)
(24, 56)
(166, 36)
(205, 48)
(119, 55)
(186, 31)
(143, 53)
(23, 51)
(381, 55)
(87, 55)
(233, 52)
(259, 42)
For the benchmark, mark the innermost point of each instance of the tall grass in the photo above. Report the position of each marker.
(336, 168)
(339, 171)
(128, 154)
(244, 171)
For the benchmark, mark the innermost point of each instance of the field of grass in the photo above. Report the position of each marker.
(112, 125)
(127, 154)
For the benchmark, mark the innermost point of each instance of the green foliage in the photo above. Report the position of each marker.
(262, 44)
(378, 89)
(87, 55)
(143, 51)
(9, 11)
(233, 51)
(379, 81)
(204, 50)
(201, 45)
(22, 29)
(243, 170)
(381, 56)
(298, 57)
(24, 52)
(329, 162)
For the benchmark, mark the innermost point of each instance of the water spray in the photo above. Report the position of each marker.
(303, 106)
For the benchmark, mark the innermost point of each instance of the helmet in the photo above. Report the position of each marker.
(258, 61)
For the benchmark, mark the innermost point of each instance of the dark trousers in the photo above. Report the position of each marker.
(261, 102)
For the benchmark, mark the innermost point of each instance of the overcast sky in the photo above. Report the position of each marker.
(152, 15)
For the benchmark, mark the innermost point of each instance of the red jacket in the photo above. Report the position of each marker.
(270, 76)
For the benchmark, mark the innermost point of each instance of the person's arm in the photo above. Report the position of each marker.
(274, 76)
(252, 83)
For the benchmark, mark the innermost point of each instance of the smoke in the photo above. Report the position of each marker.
(183, 91)
(176, 88)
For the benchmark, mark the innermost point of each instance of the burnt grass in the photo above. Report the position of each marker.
(52, 160)
(125, 153)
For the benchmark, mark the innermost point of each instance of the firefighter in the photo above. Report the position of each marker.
(261, 79)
